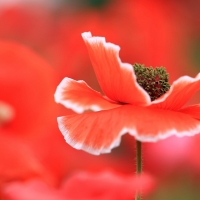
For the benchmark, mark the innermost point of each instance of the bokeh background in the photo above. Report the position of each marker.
(40, 44)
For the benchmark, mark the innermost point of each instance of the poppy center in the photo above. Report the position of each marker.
(153, 80)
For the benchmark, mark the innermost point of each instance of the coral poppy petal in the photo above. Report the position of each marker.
(99, 132)
(116, 79)
(180, 92)
(193, 111)
(78, 96)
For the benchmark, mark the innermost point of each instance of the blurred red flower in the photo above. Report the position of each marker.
(27, 84)
(82, 185)
(127, 107)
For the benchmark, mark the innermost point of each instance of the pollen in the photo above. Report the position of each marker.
(153, 80)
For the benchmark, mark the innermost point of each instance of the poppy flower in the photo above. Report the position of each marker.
(27, 83)
(27, 113)
(126, 106)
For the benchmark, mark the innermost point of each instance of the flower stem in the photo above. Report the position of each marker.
(138, 157)
(138, 165)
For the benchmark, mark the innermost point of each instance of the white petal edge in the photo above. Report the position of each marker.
(117, 141)
(75, 106)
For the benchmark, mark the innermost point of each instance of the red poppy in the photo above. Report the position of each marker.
(27, 83)
(27, 110)
(83, 185)
(127, 107)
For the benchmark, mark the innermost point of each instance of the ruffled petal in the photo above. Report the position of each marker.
(78, 96)
(116, 79)
(193, 111)
(180, 92)
(99, 132)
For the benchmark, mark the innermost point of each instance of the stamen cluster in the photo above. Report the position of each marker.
(153, 80)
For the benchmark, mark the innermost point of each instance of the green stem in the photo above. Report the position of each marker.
(138, 165)
(138, 157)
